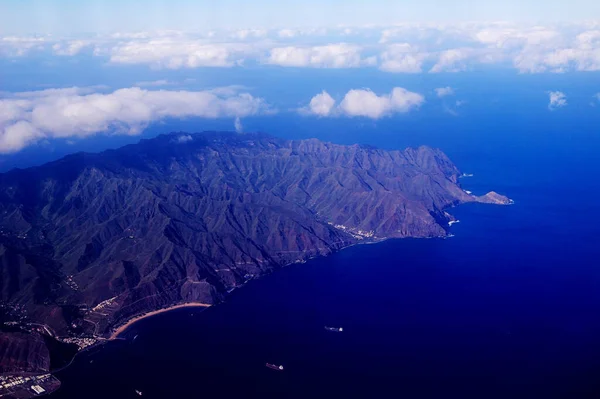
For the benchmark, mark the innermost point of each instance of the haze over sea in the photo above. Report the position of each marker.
(508, 307)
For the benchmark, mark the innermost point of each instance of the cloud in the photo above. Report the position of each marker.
(184, 139)
(402, 58)
(565, 53)
(15, 46)
(403, 48)
(558, 99)
(28, 117)
(452, 60)
(244, 34)
(287, 33)
(365, 103)
(558, 61)
(237, 124)
(339, 55)
(512, 37)
(321, 105)
(444, 91)
(177, 54)
(70, 48)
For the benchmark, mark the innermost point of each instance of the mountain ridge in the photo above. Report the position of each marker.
(91, 240)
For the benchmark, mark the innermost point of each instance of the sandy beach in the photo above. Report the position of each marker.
(135, 319)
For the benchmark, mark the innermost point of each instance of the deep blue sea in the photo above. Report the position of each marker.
(507, 308)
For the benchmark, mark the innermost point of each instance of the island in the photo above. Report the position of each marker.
(93, 241)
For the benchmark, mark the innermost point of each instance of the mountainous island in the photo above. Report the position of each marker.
(91, 241)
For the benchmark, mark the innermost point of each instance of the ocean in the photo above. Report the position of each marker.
(507, 308)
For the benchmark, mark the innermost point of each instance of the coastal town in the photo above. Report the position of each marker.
(24, 387)
(30, 382)
(27, 384)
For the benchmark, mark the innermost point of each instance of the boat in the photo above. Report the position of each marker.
(334, 329)
(275, 367)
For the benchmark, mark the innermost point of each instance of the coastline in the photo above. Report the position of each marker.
(121, 329)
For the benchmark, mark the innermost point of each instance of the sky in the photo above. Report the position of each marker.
(76, 16)
(73, 71)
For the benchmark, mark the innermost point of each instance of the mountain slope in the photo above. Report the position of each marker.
(90, 240)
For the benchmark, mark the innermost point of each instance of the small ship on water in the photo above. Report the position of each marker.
(274, 366)
(334, 329)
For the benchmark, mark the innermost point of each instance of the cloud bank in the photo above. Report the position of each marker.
(28, 117)
(404, 48)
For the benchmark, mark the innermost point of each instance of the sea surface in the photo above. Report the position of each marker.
(507, 308)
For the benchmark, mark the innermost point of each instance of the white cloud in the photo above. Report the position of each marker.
(286, 33)
(70, 48)
(237, 124)
(558, 61)
(444, 91)
(321, 105)
(452, 60)
(184, 139)
(558, 99)
(14, 46)
(130, 35)
(566, 53)
(403, 48)
(60, 113)
(365, 103)
(402, 58)
(339, 55)
(177, 54)
(588, 40)
(511, 37)
(244, 34)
